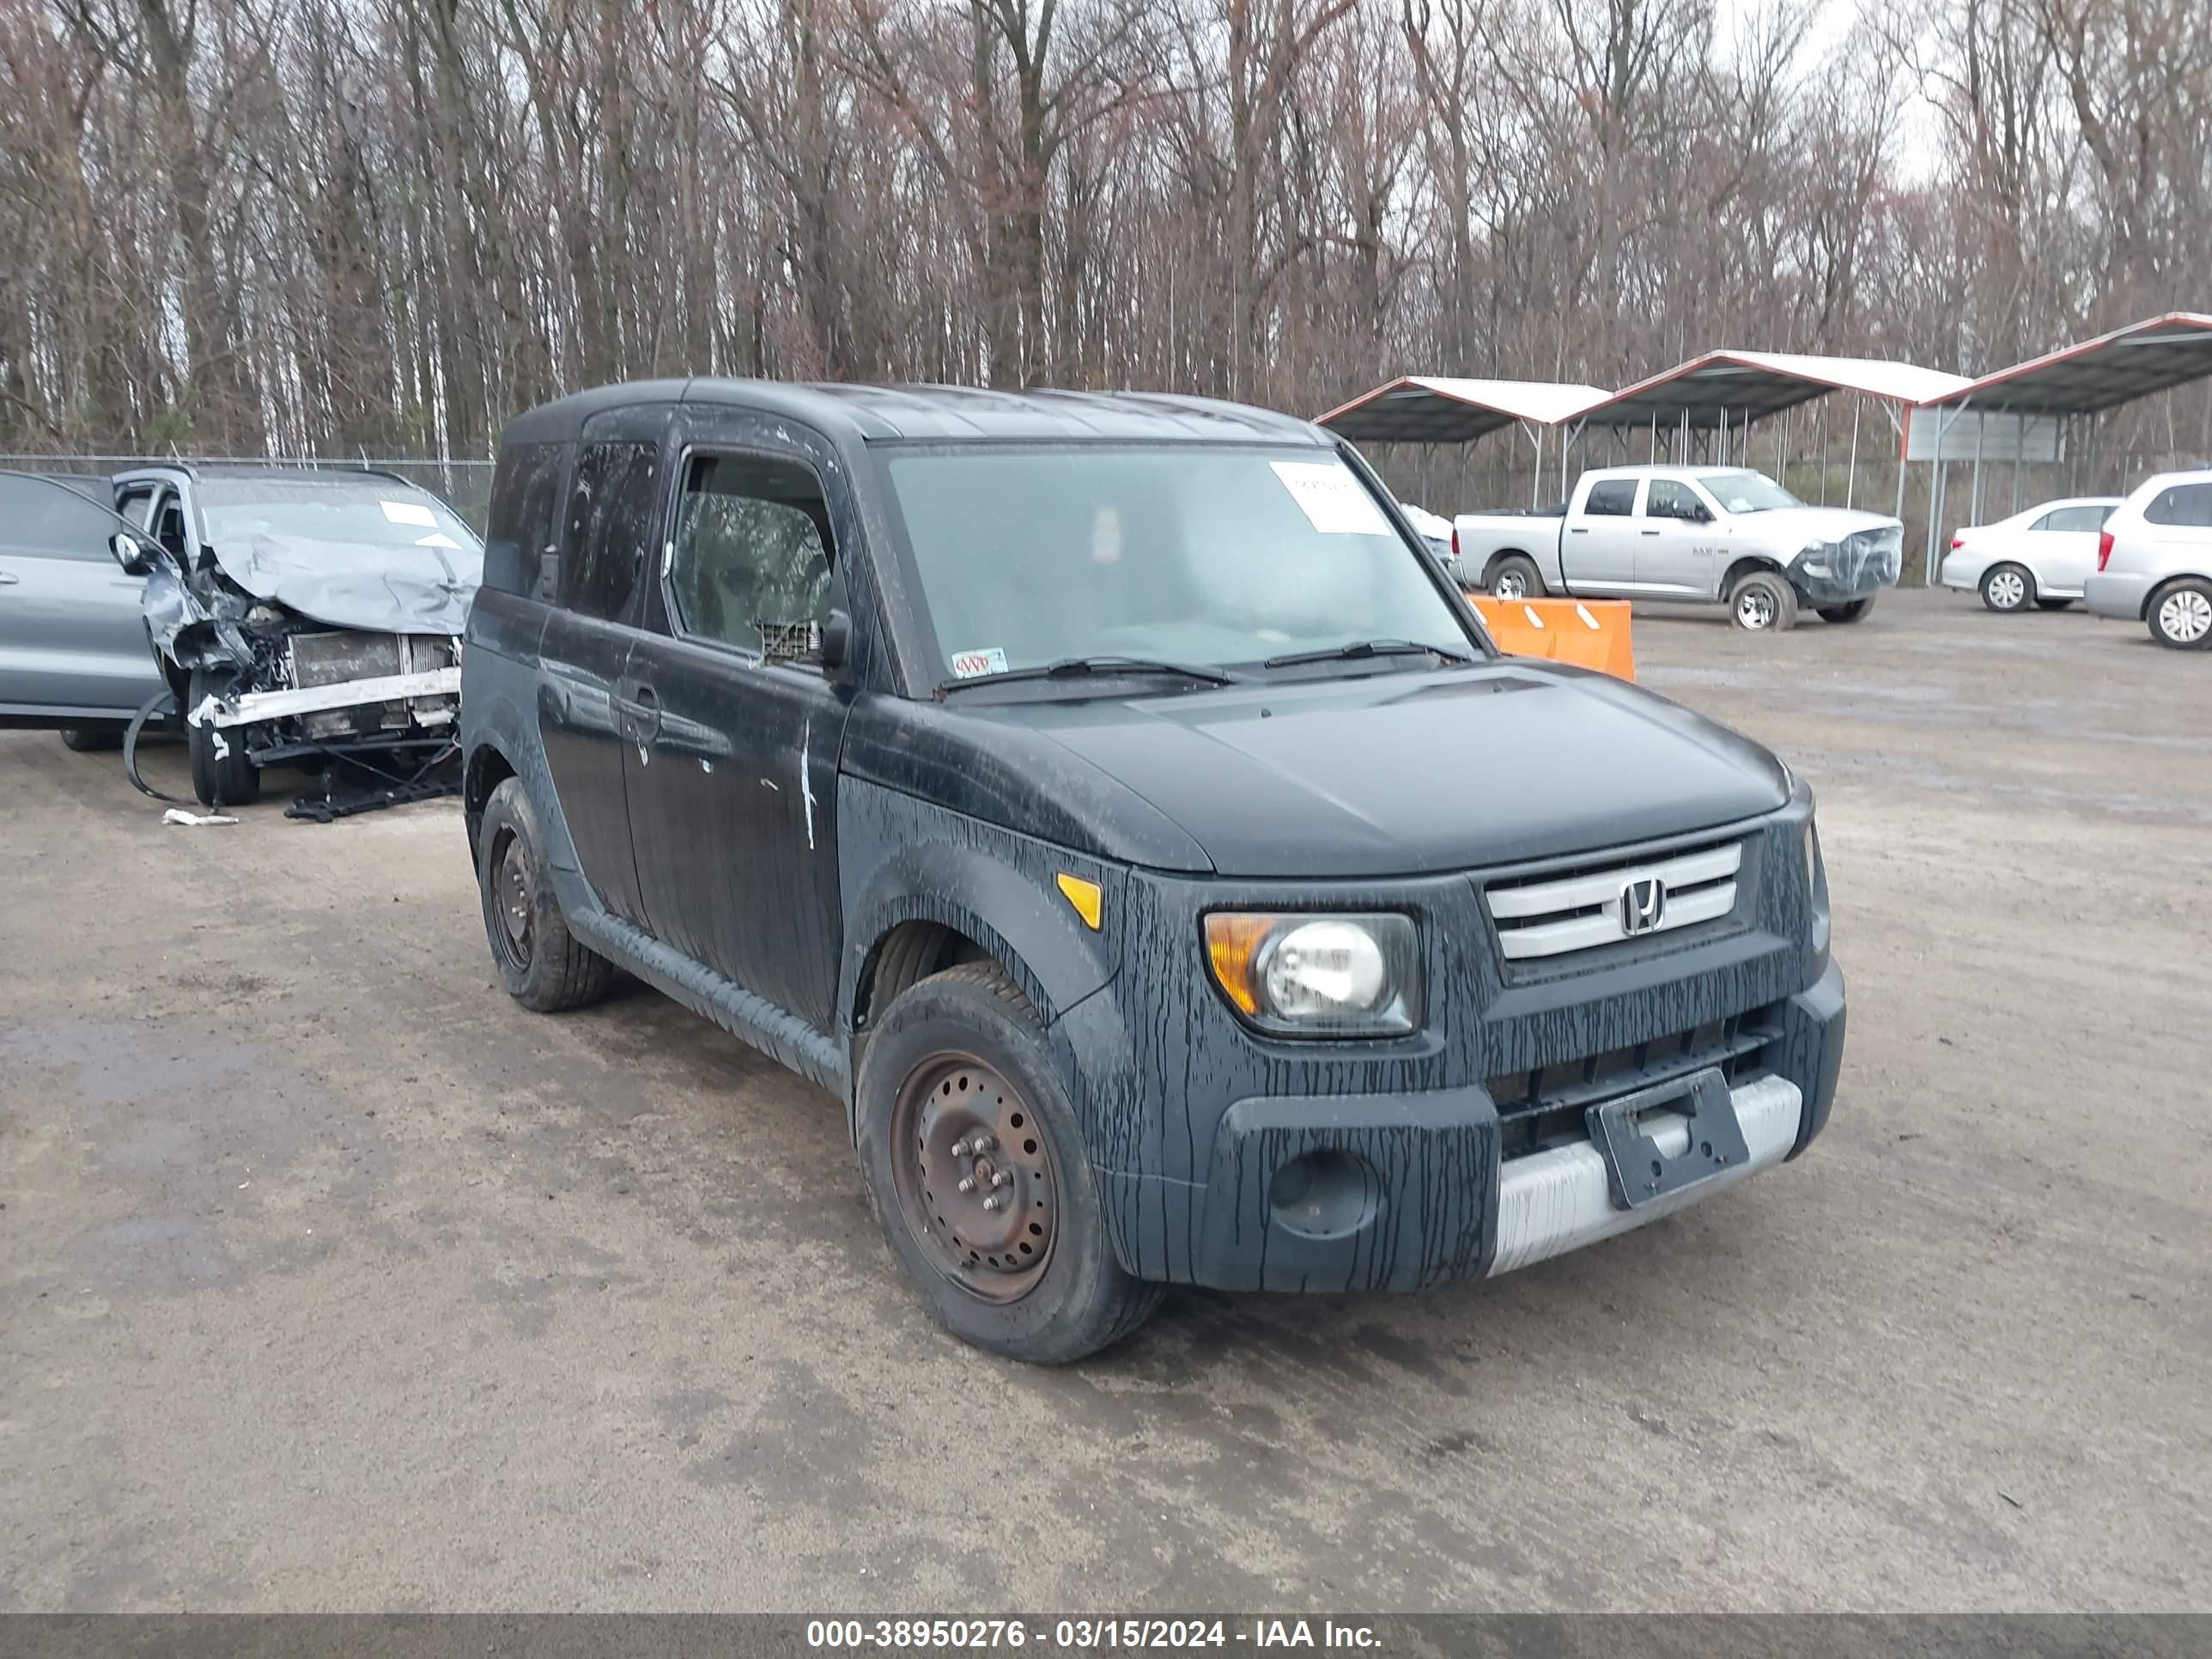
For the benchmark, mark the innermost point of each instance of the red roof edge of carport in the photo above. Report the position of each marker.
(2080, 348)
(1365, 399)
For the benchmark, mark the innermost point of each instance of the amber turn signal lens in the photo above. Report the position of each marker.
(1084, 896)
(1232, 940)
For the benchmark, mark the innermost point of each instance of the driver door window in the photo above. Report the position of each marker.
(1670, 498)
(749, 567)
(168, 524)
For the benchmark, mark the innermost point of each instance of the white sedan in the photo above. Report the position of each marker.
(2039, 558)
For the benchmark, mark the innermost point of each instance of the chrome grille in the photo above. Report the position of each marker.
(1584, 910)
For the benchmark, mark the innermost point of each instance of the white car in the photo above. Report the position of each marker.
(2154, 561)
(2039, 558)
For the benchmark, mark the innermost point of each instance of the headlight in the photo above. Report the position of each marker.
(1309, 975)
(1812, 557)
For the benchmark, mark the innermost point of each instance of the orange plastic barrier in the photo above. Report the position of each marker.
(1588, 633)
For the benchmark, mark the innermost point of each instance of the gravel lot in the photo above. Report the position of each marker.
(330, 1278)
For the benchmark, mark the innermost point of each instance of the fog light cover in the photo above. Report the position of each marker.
(1318, 975)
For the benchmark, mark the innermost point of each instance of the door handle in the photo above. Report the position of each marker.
(1578, 530)
(644, 708)
(9, 579)
(1650, 532)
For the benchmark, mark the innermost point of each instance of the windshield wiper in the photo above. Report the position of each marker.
(1360, 649)
(1068, 668)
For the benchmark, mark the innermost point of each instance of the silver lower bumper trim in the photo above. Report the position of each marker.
(1549, 1203)
(254, 706)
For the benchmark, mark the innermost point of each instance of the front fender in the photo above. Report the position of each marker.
(904, 859)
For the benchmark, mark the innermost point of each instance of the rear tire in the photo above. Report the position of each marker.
(539, 960)
(2052, 604)
(2006, 588)
(963, 1055)
(1515, 576)
(2180, 615)
(1762, 602)
(1840, 614)
(89, 739)
(223, 773)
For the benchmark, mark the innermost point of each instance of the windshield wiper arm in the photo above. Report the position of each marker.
(1358, 649)
(1068, 668)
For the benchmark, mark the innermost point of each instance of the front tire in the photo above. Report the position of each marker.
(539, 961)
(223, 773)
(1762, 602)
(2052, 604)
(2180, 615)
(1840, 614)
(2007, 587)
(958, 1085)
(1515, 576)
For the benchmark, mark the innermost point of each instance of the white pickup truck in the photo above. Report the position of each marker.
(1727, 535)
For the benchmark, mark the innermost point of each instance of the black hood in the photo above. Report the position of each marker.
(1404, 773)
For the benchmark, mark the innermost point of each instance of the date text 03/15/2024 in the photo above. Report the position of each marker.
(1084, 1634)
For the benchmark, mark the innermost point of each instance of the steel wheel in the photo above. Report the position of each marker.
(1511, 584)
(2184, 617)
(1754, 609)
(514, 896)
(2005, 590)
(975, 1177)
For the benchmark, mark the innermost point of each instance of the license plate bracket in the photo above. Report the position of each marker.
(1638, 1172)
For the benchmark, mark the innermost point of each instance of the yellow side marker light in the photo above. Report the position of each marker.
(1082, 894)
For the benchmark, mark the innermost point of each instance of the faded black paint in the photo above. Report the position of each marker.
(680, 847)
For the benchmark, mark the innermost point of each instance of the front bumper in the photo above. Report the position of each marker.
(2116, 593)
(1833, 587)
(1549, 1203)
(1405, 1191)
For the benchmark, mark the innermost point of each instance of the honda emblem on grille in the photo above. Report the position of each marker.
(1643, 904)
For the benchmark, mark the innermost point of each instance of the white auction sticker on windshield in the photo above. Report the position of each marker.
(1331, 498)
(409, 513)
(971, 665)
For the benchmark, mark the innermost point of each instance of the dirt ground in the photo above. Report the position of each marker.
(331, 1278)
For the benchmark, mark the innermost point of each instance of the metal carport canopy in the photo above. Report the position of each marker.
(2152, 355)
(1739, 386)
(1426, 409)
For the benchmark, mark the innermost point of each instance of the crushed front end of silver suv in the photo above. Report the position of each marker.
(340, 655)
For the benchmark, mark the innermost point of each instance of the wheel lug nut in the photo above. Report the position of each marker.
(959, 1149)
(1001, 1178)
(967, 1183)
(991, 1203)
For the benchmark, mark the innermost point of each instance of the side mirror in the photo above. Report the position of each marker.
(1698, 513)
(836, 638)
(136, 558)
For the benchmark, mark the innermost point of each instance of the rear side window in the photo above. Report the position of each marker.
(750, 568)
(610, 519)
(39, 516)
(524, 546)
(2073, 518)
(2181, 504)
(1611, 498)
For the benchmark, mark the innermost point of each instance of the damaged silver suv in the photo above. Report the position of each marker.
(301, 616)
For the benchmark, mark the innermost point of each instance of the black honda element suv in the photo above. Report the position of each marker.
(1110, 800)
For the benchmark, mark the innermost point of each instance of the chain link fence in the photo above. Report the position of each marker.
(465, 486)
